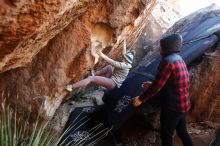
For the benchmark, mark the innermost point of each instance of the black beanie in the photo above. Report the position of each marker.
(171, 43)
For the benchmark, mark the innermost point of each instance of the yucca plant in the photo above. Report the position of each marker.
(15, 131)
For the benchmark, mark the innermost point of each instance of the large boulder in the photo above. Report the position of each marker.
(46, 45)
(27, 26)
(164, 15)
(204, 91)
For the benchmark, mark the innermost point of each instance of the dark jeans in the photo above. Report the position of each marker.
(170, 121)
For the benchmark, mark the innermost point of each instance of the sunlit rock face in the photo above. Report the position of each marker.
(46, 45)
(43, 80)
(27, 26)
(163, 16)
(205, 93)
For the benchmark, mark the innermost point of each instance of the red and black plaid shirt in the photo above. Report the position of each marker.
(180, 81)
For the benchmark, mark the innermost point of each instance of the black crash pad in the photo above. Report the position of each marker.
(86, 126)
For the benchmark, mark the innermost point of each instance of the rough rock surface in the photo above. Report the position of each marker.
(164, 15)
(205, 93)
(46, 45)
(44, 79)
(150, 32)
(137, 132)
(27, 26)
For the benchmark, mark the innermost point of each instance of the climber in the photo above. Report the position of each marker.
(111, 75)
(172, 81)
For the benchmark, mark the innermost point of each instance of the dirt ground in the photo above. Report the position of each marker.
(198, 139)
(202, 133)
(134, 134)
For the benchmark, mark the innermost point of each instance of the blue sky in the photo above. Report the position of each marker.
(189, 6)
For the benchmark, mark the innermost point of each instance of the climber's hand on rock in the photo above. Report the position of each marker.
(146, 85)
(136, 101)
(99, 52)
(69, 88)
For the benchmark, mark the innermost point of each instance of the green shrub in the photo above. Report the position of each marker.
(15, 131)
(18, 132)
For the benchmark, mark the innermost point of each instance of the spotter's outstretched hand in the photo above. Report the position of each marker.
(136, 101)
